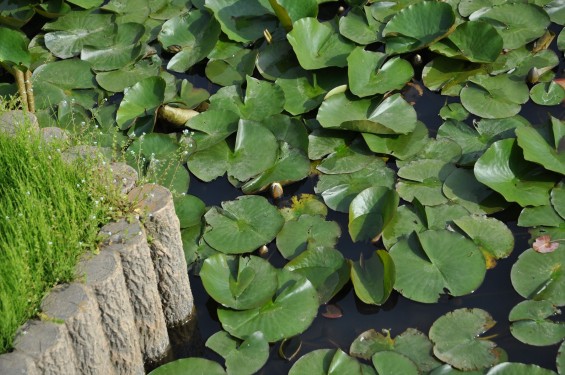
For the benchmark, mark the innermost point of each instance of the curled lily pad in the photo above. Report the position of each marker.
(242, 225)
(14, 47)
(142, 99)
(318, 44)
(403, 223)
(539, 276)
(449, 75)
(370, 211)
(430, 261)
(289, 11)
(502, 168)
(417, 26)
(289, 313)
(307, 231)
(542, 145)
(390, 363)
(242, 357)
(531, 326)
(239, 282)
(360, 26)
(456, 339)
(325, 361)
(373, 278)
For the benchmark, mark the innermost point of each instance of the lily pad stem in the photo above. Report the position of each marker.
(29, 91)
(20, 81)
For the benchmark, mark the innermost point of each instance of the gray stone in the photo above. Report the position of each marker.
(54, 134)
(130, 241)
(163, 230)
(16, 363)
(76, 305)
(49, 345)
(125, 176)
(86, 152)
(12, 121)
(104, 274)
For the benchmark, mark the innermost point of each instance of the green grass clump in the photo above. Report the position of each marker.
(50, 214)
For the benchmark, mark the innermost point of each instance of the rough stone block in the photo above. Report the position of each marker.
(11, 121)
(125, 176)
(16, 363)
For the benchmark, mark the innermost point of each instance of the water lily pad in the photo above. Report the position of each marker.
(196, 366)
(561, 358)
(370, 211)
(347, 159)
(403, 223)
(14, 47)
(170, 173)
(539, 216)
(449, 75)
(509, 368)
(390, 363)
(417, 26)
(456, 339)
(192, 35)
(502, 169)
(531, 326)
(339, 190)
(477, 41)
(118, 80)
(518, 24)
(360, 26)
(453, 111)
(277, 59)
(318, 44)
(373, 278)
(538, 146)
(431, 261)
(423, 180)
(70, 33)
(539, 276)
(304, 204)
(548, 93)
(212, 127)
(369, 74)
(322, 142)
(307, 231)
(229, 63)
(189, 210)
(142, 99)
(289, 11)
(392, 115)
(242, 357)
(210, 163)
(291, 311)
(325, 267)
(401, 146)
(239, 282)
(325, 361)
(243, 22)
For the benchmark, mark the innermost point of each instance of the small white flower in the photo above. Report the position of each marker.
(28, 193)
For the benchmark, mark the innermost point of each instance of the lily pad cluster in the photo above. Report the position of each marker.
(326, 90)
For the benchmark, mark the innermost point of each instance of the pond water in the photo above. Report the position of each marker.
(496, 295)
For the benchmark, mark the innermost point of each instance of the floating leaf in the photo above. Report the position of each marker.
(539, 276)
(401, 146)
(118, 80)
(373, 278)
(477, 41)
(430, 261)
(196, 366)
(531, 326)
(359, 26)
(305, 91)
(453, 111)
(403, 223)
(502, 169)
(448, 75)
(333, 311)
(418, 26)
(456, 339)
(548, 93)
(543, 244)
(292, 310)
(423, 180)
(242, 225)
(14, 47)
(508, 368)
(325, 361)
(211, 162)
(538, 147)
(318, 44)
(390, 363)
(142, 99)
(370, 211)
(230, 63)
(242, 357)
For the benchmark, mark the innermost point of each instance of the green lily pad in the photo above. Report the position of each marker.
(118, 80)
(418, 26)
(347, 159)
(517, 24)
(338, 191)
(453, 111)
(373, 278)
(561, 358)
(390, 363)
(539, 216)
(71, 32)
(538, 147)
(142, 99)
(196, 366)
(154, 145)
(210, 163)
(370, 212)
(442, 216)
(491, 235)
(239, 282)
(14, 47)
(291, 312)
(318, 44)
(325, 267)
(401, 146)
(189, 210)
(531, 326)
(456, 339)
(477, 41)
(170, 173)
(306, 232)
(277, 59)
(369, 74)
(430, 261)
(327, 362)
(304, 204)
(539, 276)
(192, 36)
(392, 115)
(242, 225)
(502, 169)
(558, 199)
(243, 22)
(242, 357)
(508, 368)
(212, 127)
(548, 93)
(449, 75)
(132, 10)
(442, 149)
(359, 26)
(322, 142)
(289, 11)
(423, 179)
(403, 223)
(230, 63)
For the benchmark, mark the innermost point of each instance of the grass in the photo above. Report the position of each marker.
(50, 214)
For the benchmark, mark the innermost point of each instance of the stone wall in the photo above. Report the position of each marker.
(114, 318)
